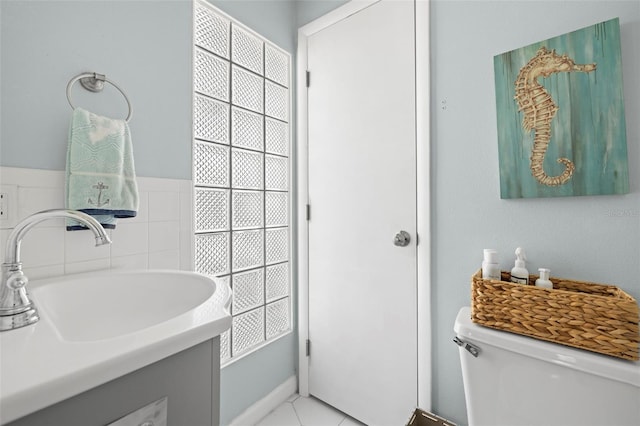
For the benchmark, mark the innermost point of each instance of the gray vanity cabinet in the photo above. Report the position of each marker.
(189, 379)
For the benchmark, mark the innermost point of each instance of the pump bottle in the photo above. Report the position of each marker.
(544, 281)
(519, 273)
(490, 267)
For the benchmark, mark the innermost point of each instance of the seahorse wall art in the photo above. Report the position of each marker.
(539, 109)
(561, 115)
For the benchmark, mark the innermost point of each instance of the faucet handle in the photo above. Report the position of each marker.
(16, 280)
(16, 309)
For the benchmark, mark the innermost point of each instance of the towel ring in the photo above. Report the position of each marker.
(94, 82)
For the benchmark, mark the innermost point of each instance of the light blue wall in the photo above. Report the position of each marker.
(308, 10)
(589, 238)
(144, 46)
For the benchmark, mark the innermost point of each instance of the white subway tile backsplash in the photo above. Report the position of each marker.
(159, 237)
(143, 208)
(41, 272)
(164, 206)
(90, 265)
(130, 238)
(186, 225)
(34, 199)
(164, 260)
(80, 246)
(185, 187)
(4, 234)
(38, 178)
(160, 185)
(164, 236)
(43, 246)
(134, 261)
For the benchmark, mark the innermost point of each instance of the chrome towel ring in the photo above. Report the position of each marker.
(94, 82)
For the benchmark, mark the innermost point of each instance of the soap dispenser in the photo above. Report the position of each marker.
(544, 281)
(519, 273)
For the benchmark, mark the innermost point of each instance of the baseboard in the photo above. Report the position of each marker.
(261, 408)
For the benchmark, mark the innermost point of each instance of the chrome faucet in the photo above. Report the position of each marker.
(16, 308)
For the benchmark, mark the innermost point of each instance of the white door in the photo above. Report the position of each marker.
(362, 192)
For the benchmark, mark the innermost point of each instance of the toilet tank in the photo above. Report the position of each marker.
(518, 380)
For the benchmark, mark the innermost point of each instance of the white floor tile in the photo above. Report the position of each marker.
(348, 421)
(313, 412)
(302, 411)
(293, 397)
(284, 415)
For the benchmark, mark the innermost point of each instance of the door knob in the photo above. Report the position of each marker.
(402, 239)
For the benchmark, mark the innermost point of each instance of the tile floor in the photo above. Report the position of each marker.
(302, 411)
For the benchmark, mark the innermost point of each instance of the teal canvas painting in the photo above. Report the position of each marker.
(560, 113)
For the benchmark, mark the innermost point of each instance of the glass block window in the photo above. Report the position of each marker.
(241, 175)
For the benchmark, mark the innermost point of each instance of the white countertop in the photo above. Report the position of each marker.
(39, 368)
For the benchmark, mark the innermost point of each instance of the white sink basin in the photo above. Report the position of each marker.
(102, 306)
(98, 326)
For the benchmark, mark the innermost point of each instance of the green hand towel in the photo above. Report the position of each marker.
(101, 178)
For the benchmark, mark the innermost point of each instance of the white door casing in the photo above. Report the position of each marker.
(392, 342)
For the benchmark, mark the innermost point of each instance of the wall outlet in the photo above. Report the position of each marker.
(8, 206)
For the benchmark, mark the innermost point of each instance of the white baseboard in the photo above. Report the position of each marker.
(261, 408)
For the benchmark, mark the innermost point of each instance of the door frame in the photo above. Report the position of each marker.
(423, 186)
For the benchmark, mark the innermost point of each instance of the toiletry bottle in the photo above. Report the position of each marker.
(519, 273)
(544, 281)
(490, 267)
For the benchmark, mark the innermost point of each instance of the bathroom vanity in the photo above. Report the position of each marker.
(112, 342)
(189, 380)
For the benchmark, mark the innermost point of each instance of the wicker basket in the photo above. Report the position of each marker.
(596, 317)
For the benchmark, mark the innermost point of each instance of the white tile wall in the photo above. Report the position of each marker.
(159, 237)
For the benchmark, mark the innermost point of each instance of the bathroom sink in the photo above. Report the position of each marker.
(98, 326)
(101, 306)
